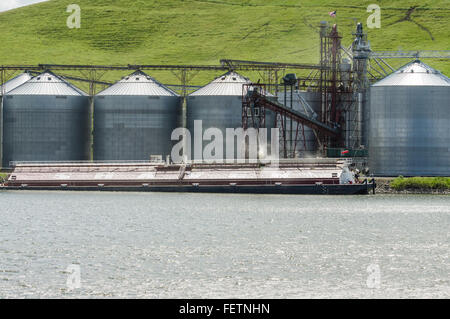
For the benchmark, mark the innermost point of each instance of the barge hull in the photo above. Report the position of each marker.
(288, 177)
(352, 189)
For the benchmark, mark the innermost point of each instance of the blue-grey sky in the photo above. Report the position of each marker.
(11, 4)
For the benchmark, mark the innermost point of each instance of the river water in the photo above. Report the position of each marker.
(155, 245)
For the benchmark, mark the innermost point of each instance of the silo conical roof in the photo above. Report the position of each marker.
(47, 83)
(15, 82)
(230, 84)
(138, 83)
(415, 73)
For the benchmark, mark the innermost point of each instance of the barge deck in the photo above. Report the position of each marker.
(316, 176)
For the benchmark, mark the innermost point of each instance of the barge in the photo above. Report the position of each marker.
(317, 176)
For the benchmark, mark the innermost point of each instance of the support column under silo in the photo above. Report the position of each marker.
(90, 151)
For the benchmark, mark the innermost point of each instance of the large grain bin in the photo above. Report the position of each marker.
(5, 88)
(134, 119)
(308, 103)
(409, 123)
(45, 119)
(219, 105)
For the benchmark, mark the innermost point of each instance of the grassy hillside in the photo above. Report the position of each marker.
(204, 31)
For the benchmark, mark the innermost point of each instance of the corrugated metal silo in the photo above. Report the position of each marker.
(311, 107)
(5, 88)
(219, 105)
(45, 119)
(134, 119)
(409, 123)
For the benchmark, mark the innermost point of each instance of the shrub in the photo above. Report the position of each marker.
(401, 183)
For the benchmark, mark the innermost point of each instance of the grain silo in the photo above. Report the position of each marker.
(409, 123)
(5, 88)
(308, 103)
(134, 119)
(45, 119)
(219, 105)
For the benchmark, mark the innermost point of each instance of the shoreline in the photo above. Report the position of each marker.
(383, 187)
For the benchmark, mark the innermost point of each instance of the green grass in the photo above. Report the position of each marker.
(401, 183)
(204, 31)
(3, 176)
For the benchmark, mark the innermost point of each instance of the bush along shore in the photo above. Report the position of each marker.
(413, 185)
(3, 177)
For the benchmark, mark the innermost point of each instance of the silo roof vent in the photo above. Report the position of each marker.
(228, 84)
(138, 83)
(47, 83)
